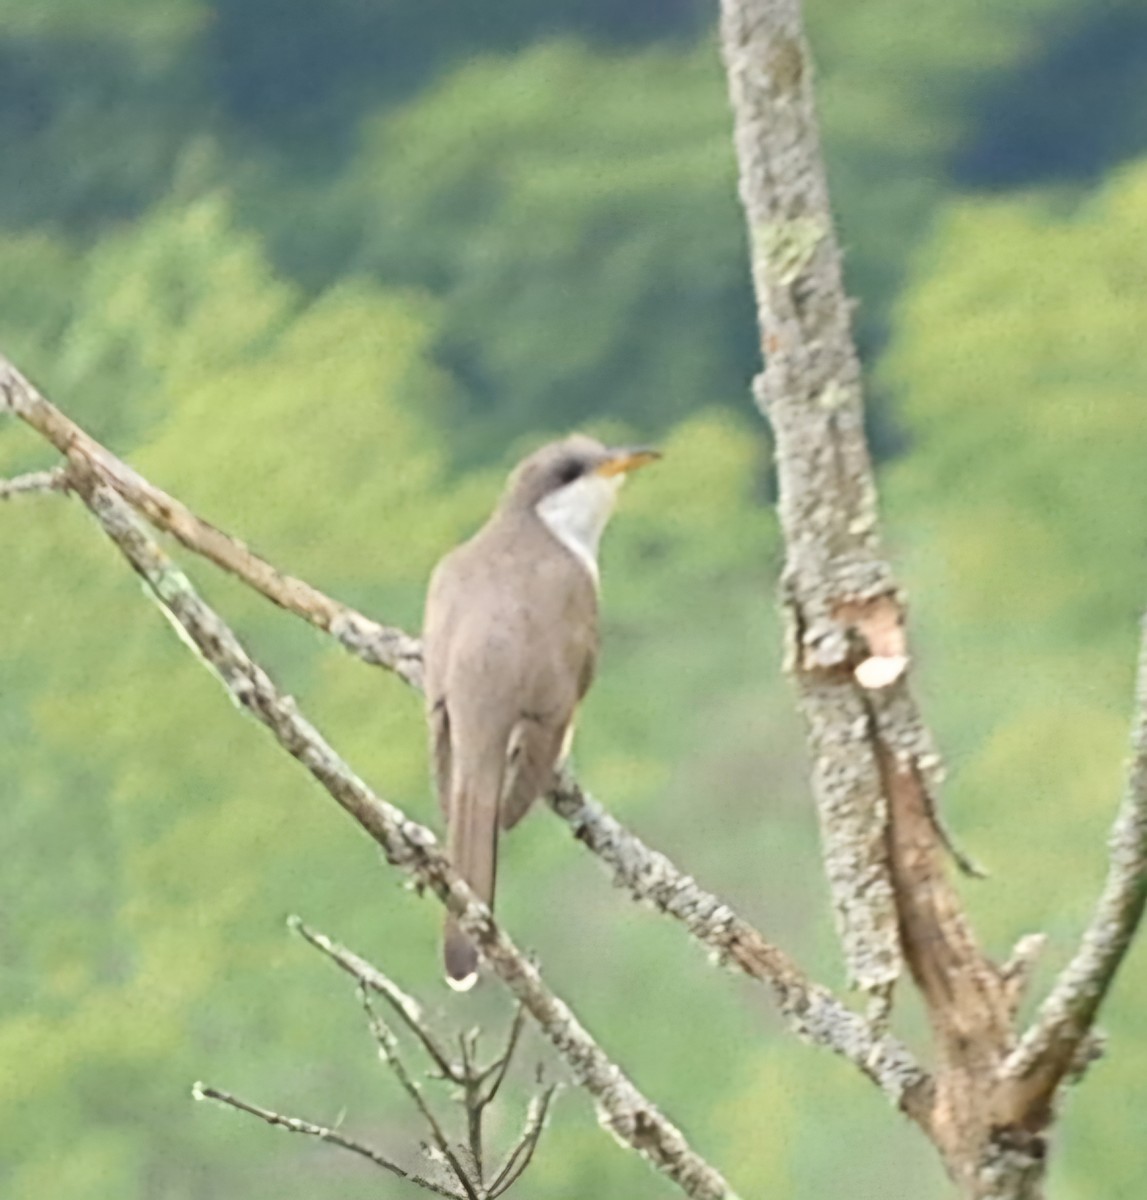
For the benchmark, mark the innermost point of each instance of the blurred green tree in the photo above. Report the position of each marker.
(97, 101)
(577, 215)
(574, 209)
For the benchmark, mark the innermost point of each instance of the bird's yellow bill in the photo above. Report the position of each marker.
(628, 460)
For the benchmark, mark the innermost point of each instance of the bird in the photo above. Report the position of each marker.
(510, 644)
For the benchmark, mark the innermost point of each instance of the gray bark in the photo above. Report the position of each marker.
(811, 393)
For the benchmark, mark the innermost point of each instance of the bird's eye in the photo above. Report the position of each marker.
(570, 471)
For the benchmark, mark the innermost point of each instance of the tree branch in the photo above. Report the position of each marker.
(834, 572)
(622, 1109)
(480, 1085)
(367, 639)
(810, 1011)
(388, 1051)
(1051, 1046)
(34, 482)
(496, 1071)
(201, 1091)
(368, 975)
(520, 1154)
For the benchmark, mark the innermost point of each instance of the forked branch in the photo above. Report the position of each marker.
(457, 1167)
(874, 764)
(811, 1012)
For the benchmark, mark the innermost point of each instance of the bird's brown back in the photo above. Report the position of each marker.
(510, 628)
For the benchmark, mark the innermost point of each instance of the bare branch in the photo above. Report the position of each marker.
(621, 1107)
(388, 1052)
(294, 1125)
(811, 1011)
(520, 1154)
(472, 1102)
(844, 624)
(501, 1064)
(406, 1007)
(367, 639)
(35, 482)
(1052, 1044)
(473, 1097)
(824, 1019)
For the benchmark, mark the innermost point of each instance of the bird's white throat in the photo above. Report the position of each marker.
(578, 513)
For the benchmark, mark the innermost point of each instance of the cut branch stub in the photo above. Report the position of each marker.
(883, 649)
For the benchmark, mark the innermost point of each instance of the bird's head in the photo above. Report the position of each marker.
(579, 465)
(572, 485)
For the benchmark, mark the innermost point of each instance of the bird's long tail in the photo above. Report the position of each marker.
(472, 845)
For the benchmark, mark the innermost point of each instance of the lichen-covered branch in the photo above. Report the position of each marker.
(811, 392)
(810, 1011)
(34, 482)
(875, 769)
(622, 1109)
(375, 643)
(1050, 1048)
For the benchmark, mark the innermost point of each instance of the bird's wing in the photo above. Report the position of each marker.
(534, 751)
(441, 757)
(562, 670)
(439, 624)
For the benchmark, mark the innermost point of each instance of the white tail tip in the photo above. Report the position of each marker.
(464, 984)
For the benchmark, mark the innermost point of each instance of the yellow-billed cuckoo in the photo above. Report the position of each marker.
(509, 644)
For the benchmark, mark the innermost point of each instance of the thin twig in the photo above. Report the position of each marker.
(294, 1125)
(368, 975)
(34, 482)
(501, 1064)
(472, 1103)
(520, 1154)
(1017, 970)
(388, 1052)
(1052, 1043)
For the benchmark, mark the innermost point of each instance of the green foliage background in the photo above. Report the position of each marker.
(324, 270)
